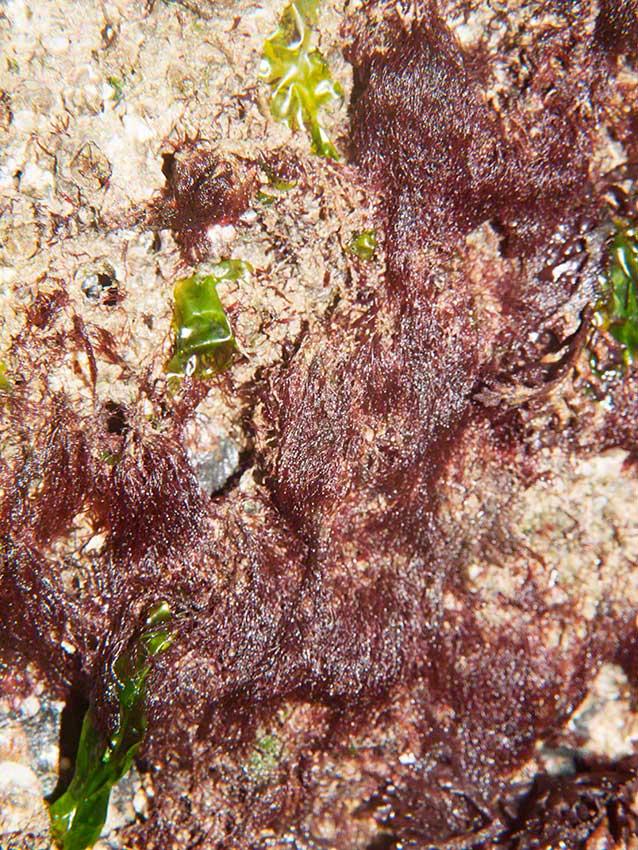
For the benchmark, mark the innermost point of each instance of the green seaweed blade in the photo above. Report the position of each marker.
(299, 77)
(204, 341)
(364, 244)
(78, 816)
(617, 313)
(5, 383)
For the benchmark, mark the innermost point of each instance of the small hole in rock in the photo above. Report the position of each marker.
(116, 418)
(168, 165)
(101, 287)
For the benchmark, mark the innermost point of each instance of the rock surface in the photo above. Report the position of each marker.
(399, 533)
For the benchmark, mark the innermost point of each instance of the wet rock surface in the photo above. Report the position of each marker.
(398, 535)
(30, 768)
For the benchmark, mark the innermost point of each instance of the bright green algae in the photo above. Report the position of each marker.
(5, 383)
(617, 312)
(364, 244)
(77, 817)
(204, 341)
(299, 76)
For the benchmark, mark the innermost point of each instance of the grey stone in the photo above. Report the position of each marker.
(214, 468)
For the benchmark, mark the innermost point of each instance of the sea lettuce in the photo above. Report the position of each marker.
(299, 76)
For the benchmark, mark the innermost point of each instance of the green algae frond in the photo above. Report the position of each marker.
(617, 312)
(5, 383)
(265, 757)
(266, 199)
(299, 76)
(364, 244)
(78, 816)
(277, 184)
(204, 341)
(277, 180)
(117, 85)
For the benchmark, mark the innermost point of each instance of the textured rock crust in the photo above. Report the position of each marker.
(426, 549)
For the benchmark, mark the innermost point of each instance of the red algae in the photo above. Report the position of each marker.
(201, 190)
(329, 588)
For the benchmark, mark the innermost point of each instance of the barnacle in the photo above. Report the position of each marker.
(77, 817)
(298, 75)
(204, 341)
(618, 310)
